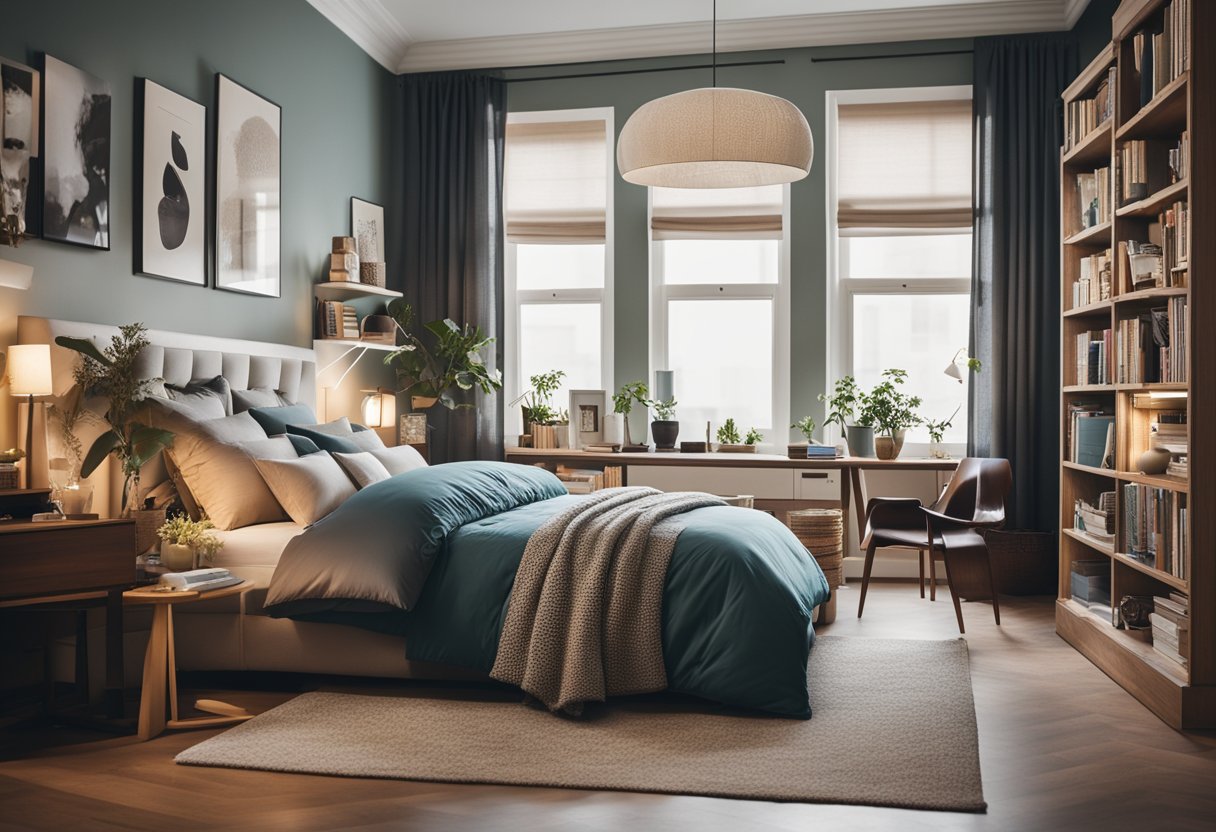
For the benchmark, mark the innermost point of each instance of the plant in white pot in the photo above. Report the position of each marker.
(187, 543)
(849, 407)
(635, 392)
(665, 428)
(937, 434)
(893, 412)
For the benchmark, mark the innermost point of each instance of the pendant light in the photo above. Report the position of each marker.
(715, 137)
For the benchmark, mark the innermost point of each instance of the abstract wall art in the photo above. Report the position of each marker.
(19, 104)
(170, 189)
(247, 190)
(76, 136)
(367, 227)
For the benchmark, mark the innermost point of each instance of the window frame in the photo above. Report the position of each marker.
(842, 290)
(515, 298)
(778, 293)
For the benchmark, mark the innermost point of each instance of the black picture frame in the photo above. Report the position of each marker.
(222, 202)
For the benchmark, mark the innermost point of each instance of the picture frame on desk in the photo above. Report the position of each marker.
(587, 409)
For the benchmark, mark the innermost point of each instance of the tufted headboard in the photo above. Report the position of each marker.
(180, 358)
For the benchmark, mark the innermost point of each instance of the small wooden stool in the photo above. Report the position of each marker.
(821, 531)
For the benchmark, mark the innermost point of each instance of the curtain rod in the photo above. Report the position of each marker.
(896, 55)
(640, 71)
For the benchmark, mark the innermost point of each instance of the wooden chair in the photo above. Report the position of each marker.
(973, 500)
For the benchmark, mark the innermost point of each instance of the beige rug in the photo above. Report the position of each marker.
(893, 725)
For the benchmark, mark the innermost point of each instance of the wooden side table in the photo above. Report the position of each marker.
(160, 664)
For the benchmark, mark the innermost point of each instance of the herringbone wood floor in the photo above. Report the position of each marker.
(1062, 748)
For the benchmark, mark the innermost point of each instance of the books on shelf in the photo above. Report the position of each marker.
(1175, 223)
(336, 320)
(1144, 169)
(1168, 431)
(1160, 56)
(1084, 115)
(1093, 197)
(1180, 158)
(586, 480)
(1089, 584)
(1151, 347)
(1091, 436)
(1093, 357)
(1171, 626)
(1155, 528)
(1093, 283)
(1097, 519)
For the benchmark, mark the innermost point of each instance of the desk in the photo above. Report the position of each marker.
(780, 484)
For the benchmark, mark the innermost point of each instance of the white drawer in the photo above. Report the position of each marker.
(817, 485)
(762, 483)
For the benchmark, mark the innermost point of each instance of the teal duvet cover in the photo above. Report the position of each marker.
(737, 604)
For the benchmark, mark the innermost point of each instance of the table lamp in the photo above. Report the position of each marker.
(379, 408)
(29, 374)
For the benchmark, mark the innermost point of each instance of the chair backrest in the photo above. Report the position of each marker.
(978, 490)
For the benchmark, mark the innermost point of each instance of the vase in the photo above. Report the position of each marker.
(1154, 461)
(937, 450)
(888, 447)
(563, 435)
(665, 433)
(860, 439)
(176, 557)
(614, 429)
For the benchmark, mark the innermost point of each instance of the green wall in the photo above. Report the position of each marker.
(335, 143)
(804, 77)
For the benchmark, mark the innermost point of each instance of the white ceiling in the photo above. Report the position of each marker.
(426, 35)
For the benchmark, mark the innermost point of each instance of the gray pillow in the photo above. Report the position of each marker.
(363, 468)
(200, 397)
(399, 459)
(274, 420)
(243, 400)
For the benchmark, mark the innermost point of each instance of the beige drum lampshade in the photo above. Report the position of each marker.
(716, 137)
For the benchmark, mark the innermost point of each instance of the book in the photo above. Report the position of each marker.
(1092, 442)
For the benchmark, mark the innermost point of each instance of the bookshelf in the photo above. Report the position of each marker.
(1134, 372)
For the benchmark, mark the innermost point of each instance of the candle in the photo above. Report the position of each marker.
(664, 385)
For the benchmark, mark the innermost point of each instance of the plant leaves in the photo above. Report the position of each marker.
(84, 346)
(147, 442)
(103, 446)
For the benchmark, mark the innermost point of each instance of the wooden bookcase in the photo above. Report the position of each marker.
(1183, 696)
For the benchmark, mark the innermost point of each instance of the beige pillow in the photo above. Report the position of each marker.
(309, 487)
(338, 427)
(399, 459)
(365, 440)
(219, 471)
(363, 468)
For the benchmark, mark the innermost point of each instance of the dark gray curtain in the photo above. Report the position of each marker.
(453, 126)
(1015, 323)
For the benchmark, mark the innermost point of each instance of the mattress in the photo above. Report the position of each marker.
(253, 552)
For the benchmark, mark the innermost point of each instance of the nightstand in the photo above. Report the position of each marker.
(73, 564)
(160, 664)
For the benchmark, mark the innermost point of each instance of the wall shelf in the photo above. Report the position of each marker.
(338, 290)
(1152, 205)
(1096, 235)
(1164, 116)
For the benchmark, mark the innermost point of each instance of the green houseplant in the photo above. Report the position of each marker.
(187, 543)
(635, 392)
(112, 374)
(754, 437)
(442, 362)
(937, 432)
(849, 407)
(893, 412)
(730, 441)
(806, 426)
(665, 428)
(537, 402)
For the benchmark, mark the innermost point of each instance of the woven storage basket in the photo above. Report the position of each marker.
(147, 521)
(821, 531)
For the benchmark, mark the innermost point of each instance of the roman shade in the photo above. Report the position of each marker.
(556, 188)
(717, 213)
(903, 165)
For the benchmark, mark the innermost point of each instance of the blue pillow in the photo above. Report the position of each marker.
(274, 420)
(303, 445)
(325, 441)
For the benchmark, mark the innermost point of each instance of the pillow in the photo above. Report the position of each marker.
(220, 473)
(243, 400)
(309, 487)
(274, 420)
(201, 397)
(335, 436)
(363, 468)
(303, 445)
(399, 459)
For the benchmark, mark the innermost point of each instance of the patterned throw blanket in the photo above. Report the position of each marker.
(585, 615)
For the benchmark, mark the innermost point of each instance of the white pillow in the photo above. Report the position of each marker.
(309, 488)
(365, 440)
(363, 468)
(399, 459)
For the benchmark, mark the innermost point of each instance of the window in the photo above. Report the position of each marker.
(719, 306)
(899, 173)
(558, 209)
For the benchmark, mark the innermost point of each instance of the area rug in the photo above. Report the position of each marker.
(893, 725)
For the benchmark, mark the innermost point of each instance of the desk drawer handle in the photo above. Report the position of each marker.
(814, 475)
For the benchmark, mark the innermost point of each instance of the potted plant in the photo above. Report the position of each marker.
(729, 441)
(665, 428)
(937, 430)
(893, 412)
(753, 438)
(537, 408)
(622, 405)
(848, 407)
(112, 374)
(442, 366)
(187, 543)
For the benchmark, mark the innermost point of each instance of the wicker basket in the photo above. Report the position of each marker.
(147, 521)
(1023, 563)
(821, 531)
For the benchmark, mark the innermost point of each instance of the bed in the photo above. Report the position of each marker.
(738, 598)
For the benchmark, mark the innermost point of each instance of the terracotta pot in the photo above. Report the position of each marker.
(422, 402)
(888, 447)
(176, 557)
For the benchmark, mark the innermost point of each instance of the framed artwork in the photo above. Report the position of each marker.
(170, 185)
(76, 156)
(367, 227)
(248, 175)
(412, 429)
(587, 408)
(20, 102)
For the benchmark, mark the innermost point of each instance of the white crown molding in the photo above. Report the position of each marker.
(877, 26)
(370, 26)
(1073, 9)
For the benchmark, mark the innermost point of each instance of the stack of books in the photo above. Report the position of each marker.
(1158, 57)
(1171, 622)
(343, 261)
(602, 447)
(1093, 357)
(1144, 169)
(812, 450)
(1091, 435)
(1141, 266)
(1093, 284)
(1090, 584)
(586, 480)
(1093, 193)
(336, 320)
(1152, 345)
(1084, 115)
(1097, 520)
(1155, 528)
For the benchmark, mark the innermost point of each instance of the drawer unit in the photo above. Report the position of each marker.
(761, 483)
(810, 484)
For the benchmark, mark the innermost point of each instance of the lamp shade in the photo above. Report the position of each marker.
(716, 137)
(379, 408)
(29, 369)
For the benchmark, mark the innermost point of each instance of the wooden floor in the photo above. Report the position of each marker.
(1062, 748)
